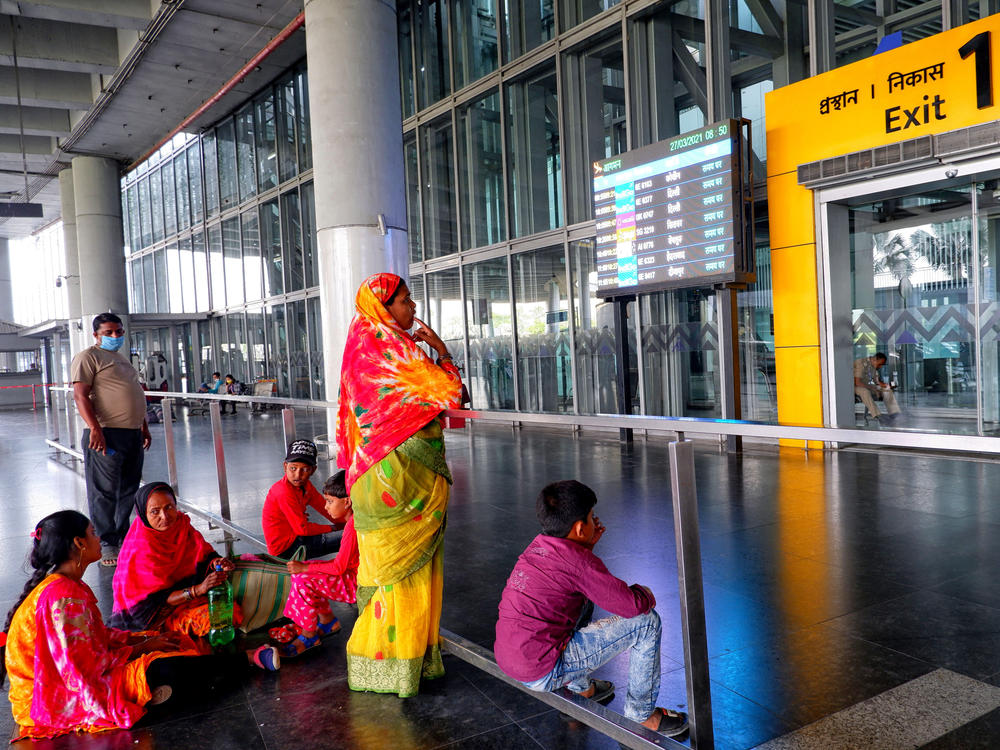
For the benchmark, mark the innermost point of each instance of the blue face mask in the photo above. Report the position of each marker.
(112, 343)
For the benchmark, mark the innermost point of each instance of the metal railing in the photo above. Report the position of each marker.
(628, 733)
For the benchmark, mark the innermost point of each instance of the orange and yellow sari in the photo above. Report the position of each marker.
(68, 672)
(390, 441)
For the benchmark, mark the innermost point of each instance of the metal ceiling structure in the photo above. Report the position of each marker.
(112, 77)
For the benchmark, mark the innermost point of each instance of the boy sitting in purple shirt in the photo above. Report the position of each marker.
(541, 639)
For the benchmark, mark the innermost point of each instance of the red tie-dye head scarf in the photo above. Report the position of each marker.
(389, 388)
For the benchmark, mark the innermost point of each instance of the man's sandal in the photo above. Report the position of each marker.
(109, 557)
(299, 646)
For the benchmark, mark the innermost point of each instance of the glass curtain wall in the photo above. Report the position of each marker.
(481, 194)
(440, 235)
(444, 311)
(533, 156)
(544, 353)
(474, 39)
(489, 375)
(594, 97)
(224, 224)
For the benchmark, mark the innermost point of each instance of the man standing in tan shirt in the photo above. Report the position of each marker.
(111, 401)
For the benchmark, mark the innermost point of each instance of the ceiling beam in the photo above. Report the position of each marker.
(37, 121)
(33, 144)
(47, 88)
(55, 45)
(121, 14)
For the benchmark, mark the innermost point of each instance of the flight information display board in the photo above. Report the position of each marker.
(675, 213)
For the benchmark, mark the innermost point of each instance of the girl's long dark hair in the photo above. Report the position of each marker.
(52, 546)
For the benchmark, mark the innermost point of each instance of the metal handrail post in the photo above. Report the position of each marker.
(70, 432)
(288, 424)
(168, 441)
(53, 413)
(220, 461)
(692, 594)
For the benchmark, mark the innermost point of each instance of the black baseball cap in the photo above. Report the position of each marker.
(302, 452)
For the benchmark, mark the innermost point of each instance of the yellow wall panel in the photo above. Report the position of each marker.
(795, 297)
(795, 225)
(800, 399)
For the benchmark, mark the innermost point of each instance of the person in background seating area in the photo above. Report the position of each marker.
(232, 387)
(212, 387)
(869, 386)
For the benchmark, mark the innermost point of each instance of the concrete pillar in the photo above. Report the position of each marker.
(357, 144)
(71, 263)
(100, 242)
(6, 284)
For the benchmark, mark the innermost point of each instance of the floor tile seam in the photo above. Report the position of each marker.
(466, 738)
(934, 591)
(779, 717)
(878, 573)
(479, 690)
(931, 665)
(168, 721)
(256, 719)
(919, 454)
(289, 692)
(935, 514)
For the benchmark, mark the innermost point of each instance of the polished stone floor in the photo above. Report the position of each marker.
(840, 588)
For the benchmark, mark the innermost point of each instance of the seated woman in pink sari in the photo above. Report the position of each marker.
(68, 671)
(165, 569)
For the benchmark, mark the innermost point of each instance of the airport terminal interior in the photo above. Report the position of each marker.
(734, 221)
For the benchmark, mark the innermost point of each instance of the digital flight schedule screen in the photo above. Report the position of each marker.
(671, 214)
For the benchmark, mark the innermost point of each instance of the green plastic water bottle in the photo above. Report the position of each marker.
(220, 613)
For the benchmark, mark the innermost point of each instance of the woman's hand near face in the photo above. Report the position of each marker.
(425, 334)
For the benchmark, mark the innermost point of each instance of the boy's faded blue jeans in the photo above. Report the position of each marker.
(601, 641)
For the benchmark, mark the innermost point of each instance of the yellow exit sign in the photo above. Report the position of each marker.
(945, 82)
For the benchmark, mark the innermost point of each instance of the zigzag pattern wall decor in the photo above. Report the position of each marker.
(925, 325)
(683, 337)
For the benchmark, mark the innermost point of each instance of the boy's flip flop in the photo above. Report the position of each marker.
(603, 689)
(672, 723)
(299, 646)
(328, 628)
(285, 633)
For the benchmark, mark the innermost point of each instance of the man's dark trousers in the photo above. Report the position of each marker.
(112, 479)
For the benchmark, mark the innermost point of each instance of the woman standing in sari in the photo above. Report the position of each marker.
(390, 441)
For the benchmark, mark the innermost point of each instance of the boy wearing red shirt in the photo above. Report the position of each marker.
(286, 525)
